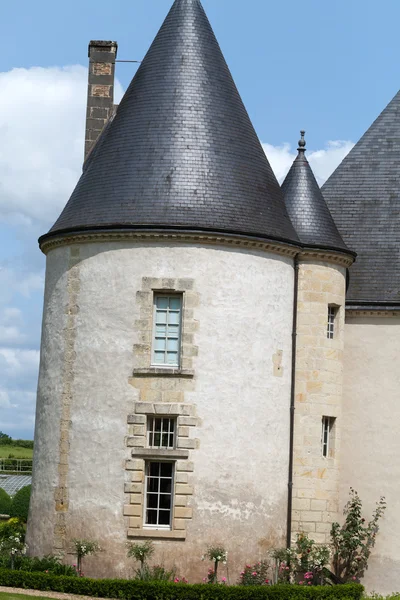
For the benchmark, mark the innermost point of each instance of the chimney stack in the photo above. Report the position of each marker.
(100, 102)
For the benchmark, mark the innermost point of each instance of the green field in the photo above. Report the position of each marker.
(17, 451)
(7, 596)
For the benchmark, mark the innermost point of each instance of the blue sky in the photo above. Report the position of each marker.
(327, 67)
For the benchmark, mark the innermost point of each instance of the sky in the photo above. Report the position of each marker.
(327, 67)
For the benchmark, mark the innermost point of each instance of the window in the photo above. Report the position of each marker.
(159, 482)
(160, 432)
(332, 312)
(327, 436)
(167, 329)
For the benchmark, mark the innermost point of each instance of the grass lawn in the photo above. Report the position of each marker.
(6, 596)
(17, 451)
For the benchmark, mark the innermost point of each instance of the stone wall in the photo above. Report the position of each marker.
(231, 401)
(370, 446)
(318, 391)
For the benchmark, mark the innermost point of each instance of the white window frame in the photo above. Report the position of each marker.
(327, 438)
(168, 427)
(154, 332)
(171, 510)
(331, 325)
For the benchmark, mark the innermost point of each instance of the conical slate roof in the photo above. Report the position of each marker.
(363, 195)
(307, 208)
(181, 151)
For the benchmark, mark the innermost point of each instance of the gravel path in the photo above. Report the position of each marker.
(45, 594)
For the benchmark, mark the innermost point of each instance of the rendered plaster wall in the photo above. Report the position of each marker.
(370, 438)
(318, 393)
(51, 391)
(237, 468)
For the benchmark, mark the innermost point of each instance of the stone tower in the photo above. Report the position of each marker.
(318, 373)
(166, 383)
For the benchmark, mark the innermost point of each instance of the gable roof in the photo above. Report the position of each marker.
(307, 208)
(363, 195)
(181, 152)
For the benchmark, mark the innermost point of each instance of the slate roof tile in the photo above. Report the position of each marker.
(363, 195)
(181, 151)
(307, 208)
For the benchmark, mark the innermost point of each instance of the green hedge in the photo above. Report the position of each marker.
(140, 590)
(5, 502)
(20, 503)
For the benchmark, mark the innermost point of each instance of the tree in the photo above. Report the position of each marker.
(5, 439)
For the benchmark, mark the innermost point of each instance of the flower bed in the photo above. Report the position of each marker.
(142, 590)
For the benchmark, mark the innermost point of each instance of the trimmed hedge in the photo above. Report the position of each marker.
(5, 502)
(20, 503)
(141, 590)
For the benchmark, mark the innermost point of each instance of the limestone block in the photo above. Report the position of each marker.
(181, 477)
(180, 500)
(179, 524)
(135, 522)
(181, 512)
(184, 465)
(133, 419)
(183, 489)
(318, 505)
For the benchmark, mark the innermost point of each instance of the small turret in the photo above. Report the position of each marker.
(307, 208)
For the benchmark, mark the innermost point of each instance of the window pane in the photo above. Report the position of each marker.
(162, 301)
(159, 344)
(165, 501)
(154, 469)
(159, 358)
(175, 303)
(152, 500)
(153, 484)
(172, 358)
(161, 317)
(174, 318)
(166, 469)
(172, 344)
(164, 517)
(151, 517)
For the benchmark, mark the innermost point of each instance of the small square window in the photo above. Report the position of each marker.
(167, 330)
(161, 432)
(332, 313)
(159, 494)
(327, 439)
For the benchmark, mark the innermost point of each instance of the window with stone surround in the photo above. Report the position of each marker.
(327, 438)
(332, 314)
(161, 432)
(159, 479)
(167, 327)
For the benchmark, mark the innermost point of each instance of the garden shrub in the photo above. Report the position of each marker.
(20, 503)
(47, 564)
(11, 527)
(5, 502)
(143, 590)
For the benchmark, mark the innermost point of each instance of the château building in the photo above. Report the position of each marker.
(219, 355)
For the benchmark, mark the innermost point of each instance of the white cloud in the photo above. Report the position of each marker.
(323, 162)
(42, 124)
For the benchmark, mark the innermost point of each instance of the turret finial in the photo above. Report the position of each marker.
(302, 142)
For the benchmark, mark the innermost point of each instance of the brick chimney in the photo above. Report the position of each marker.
(100, 102)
